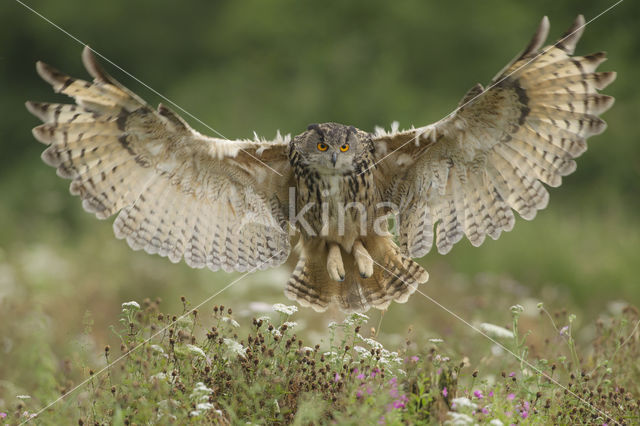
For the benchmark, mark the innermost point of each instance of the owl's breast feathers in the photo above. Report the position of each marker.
(337, 206)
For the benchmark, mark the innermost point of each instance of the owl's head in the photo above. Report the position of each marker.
(332, 148)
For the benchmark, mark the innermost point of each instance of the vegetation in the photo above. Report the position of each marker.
(282, 64)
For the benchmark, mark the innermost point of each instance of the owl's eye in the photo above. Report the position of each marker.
(322, 146)
(344, 147)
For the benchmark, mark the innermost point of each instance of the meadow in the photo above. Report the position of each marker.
(538, 327)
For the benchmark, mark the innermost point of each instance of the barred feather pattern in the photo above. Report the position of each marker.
(211, 202)
(493, 154)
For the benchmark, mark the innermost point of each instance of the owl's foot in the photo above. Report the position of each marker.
(363, 260)
(335, 267)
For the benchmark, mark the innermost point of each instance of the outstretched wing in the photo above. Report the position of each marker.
(217, 203)
(464, 174)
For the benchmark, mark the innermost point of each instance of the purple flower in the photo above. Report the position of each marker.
(355, 370)
(361, 376)
(490, 393)
(393, 381)
(526, 406)
(369, 390)
(415, 358)
(336, 378)
(511, 396)
(393, 392)
(374, 372)
(397, 404)
(445, 392)
(3, 415)
(382, 421)
(485, 410)
(524, 414)
(512, 374)
(359, 394)
(564, 330)
(478, 394)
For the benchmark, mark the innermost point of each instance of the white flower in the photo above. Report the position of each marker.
(194, 413)
(435, 340)
(157, 348)
(201, 390)
(235, 347)
(332, 324)
(463, 402)
(196, 350)
(130, 305)
(304, 349)
(276, 332)
(363, 352)
(496, 331)
(231, 321)
(23, 396)
(161, 377)
(372, 343)
(458, 419)
(496, 422)
(355, 318)
(517, 309)
(205, 406)
(290, 324)
(284, 309)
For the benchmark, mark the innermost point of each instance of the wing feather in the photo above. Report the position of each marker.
(178, 193)
(470, 170)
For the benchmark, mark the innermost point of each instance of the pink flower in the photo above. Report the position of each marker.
(382, 421)
(393, 392)
(415, 358)
(361, 376)
(359, 394)
(355, 371)
(369, 390)
(397, 404)
(485, 410)
(564, 330)
(478, 394)
(336, 378)
(524, 414)
(526, 406)
(374, 372)
(490, 393)
(511, 396)
(3, 415)
(445, 392)
(512, 374)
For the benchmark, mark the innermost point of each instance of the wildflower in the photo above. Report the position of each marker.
(490, 393)
(517, 309)
(290, 324)
(359, 394)
(336, 378)
(524, 414)
(445, 392)
(361, 376)
(511, 396)
(196, 350)
(415, 358)
(3, 415)
(463, 402)
(496, 422)
(478, 394)
(130, 305)
(496, 331)
(458, 419)
(372, 343)
(284, 309)
(201, 391)
(157, 348)
(161, 377)
(485, 410)
(382, 421)
(513, 373)
(398, 404)
(231, 321)
(205, 406)
(235, 347)
(355, 319)
(374, 372)
(564, 331)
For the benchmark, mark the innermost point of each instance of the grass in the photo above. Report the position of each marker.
(207, 367)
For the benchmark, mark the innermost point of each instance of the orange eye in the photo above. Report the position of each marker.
(322, 146)
(344, 147)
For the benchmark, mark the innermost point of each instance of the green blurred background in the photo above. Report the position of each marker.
(263, 65)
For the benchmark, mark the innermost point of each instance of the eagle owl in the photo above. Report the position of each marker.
(239, 205)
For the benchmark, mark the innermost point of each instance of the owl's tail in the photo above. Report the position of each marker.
(395, 277)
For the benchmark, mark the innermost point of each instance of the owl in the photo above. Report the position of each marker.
(359, 206)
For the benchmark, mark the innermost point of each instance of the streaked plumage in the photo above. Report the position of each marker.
(227, 204)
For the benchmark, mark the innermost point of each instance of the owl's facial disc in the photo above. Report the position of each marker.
(330, 148)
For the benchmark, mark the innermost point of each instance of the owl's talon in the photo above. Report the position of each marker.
(363, 260)
(335, 267)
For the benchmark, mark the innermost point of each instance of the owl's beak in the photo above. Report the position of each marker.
(334, 158)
